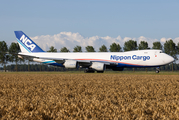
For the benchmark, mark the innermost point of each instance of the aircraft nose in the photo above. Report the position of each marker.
(170, 59)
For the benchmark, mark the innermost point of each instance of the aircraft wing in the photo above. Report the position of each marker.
(66, 62)
(57, 60)
(81, 62)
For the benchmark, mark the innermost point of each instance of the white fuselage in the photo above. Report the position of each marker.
(138, 58)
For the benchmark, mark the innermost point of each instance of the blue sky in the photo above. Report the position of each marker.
(153, 19)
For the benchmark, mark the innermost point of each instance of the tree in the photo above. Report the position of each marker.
(143, 45)
(130, 45)
(4, 57)
(157, 45)
(90, 49)
(115, 48)
(77, 49)
(52, 49)
(64, 49)
(170, 48)
(103, 48)
(13, 50)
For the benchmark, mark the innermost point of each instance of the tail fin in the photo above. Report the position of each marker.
(26, 44)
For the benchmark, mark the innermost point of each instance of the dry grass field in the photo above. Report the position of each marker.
(88, 96)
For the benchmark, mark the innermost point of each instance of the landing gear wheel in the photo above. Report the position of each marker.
(157, 70)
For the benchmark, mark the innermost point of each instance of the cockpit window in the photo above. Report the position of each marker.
(160, 51)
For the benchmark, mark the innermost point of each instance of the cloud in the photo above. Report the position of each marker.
(148, 40)
(163, 40)
(126, 39)
(176, 40)
(70, 40)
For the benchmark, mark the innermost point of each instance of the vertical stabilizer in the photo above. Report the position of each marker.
(26, 44)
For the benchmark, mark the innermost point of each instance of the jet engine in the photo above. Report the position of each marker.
(98, 66)
(71, 64)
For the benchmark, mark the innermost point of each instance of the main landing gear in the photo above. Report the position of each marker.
(157, 70)
(87, 70)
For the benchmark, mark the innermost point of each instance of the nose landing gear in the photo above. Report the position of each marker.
(157, 70)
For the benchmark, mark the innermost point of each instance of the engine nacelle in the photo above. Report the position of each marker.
(70, 64)
(98, 66)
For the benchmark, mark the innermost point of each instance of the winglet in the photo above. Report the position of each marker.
(26, 44)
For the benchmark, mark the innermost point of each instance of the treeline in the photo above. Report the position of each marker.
(9, 54)
(43, 67)
(33, 67)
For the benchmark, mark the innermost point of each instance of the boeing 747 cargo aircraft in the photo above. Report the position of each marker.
(94, 61)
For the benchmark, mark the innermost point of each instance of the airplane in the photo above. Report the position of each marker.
(92, 61)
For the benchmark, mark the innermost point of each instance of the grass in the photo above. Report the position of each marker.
(56, 95)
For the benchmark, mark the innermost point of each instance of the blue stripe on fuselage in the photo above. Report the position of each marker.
(56, 64)
(53, 63)
(129, 66)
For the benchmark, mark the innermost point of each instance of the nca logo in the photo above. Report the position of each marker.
(27, 42)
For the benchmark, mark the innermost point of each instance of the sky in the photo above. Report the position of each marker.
(67, 23)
